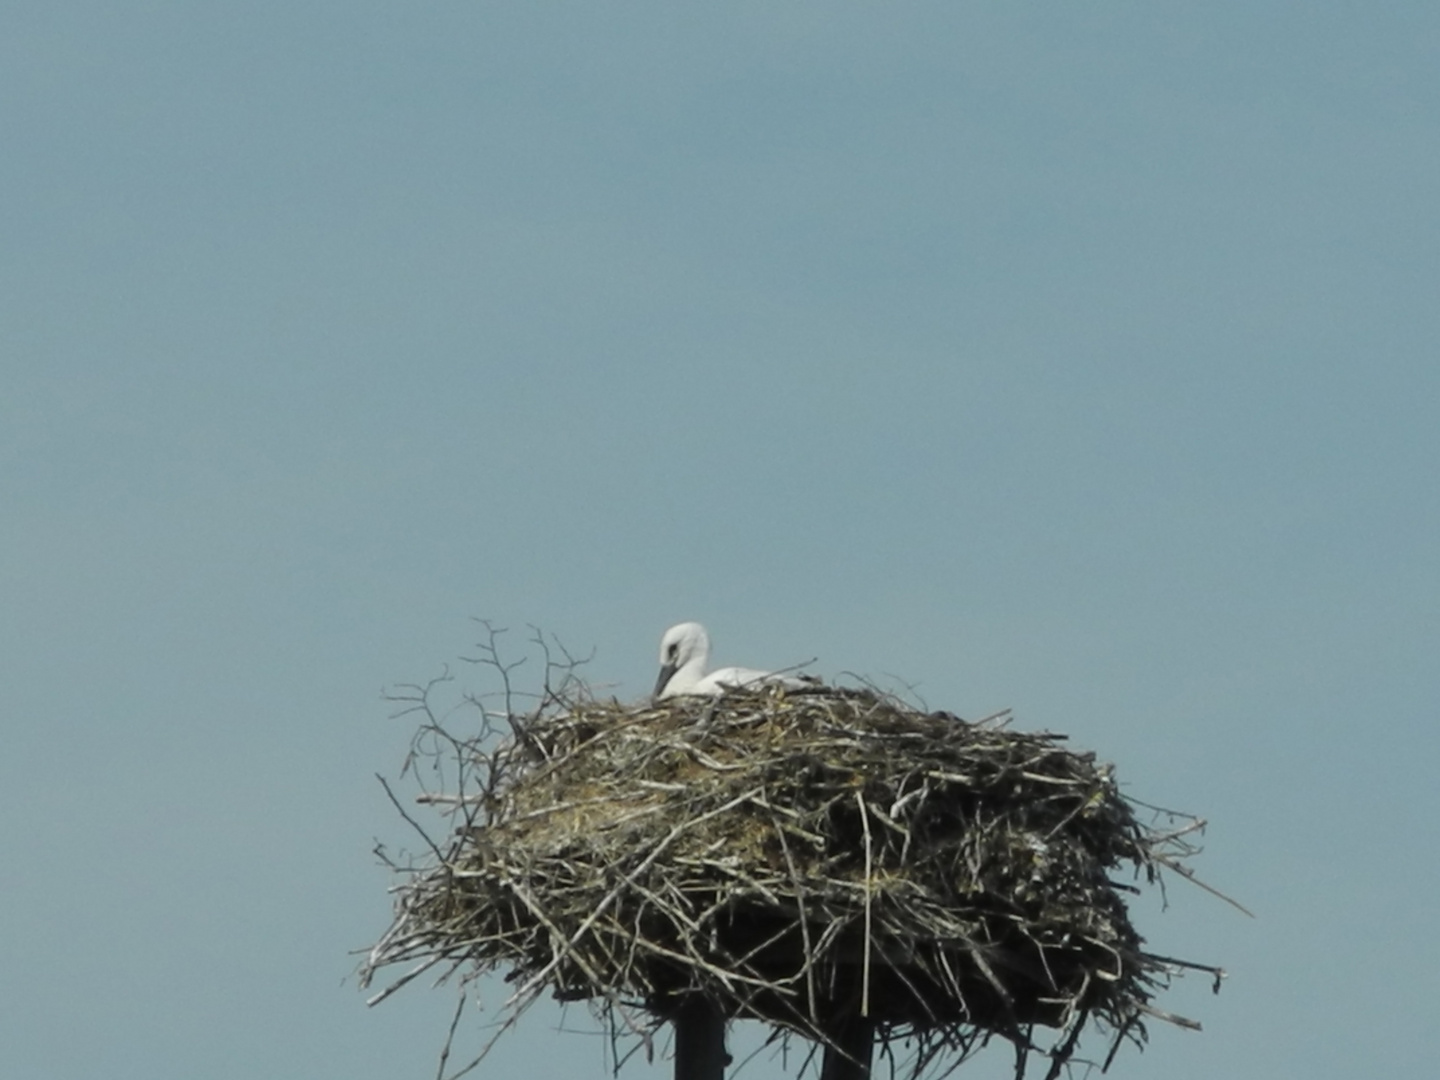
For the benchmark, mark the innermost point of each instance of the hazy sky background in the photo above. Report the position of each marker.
(1073, 358)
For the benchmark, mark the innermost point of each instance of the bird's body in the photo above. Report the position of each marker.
(685, 656)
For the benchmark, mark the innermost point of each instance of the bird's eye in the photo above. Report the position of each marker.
(672, 651)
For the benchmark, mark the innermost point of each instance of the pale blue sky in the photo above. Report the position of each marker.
(1079, 359)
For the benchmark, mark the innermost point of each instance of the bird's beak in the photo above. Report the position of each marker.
(665, 673)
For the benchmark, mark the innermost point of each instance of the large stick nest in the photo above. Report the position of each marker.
(795, 857)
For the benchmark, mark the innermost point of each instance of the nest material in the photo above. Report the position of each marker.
(794, 857)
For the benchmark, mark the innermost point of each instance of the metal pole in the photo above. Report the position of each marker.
(699, 1040)
(848, 1053)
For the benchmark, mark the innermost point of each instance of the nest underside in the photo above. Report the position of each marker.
(794, 857)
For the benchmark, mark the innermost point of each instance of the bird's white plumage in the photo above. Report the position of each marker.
(685, 656)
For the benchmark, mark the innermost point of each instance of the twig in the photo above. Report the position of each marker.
(865, 968)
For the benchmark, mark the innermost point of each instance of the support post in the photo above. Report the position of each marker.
(851, 1046)
(699, 1040)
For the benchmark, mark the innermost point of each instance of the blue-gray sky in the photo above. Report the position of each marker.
(1079, 359)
